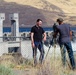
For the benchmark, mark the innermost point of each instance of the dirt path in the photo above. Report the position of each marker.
(24, 72)
(21, 72)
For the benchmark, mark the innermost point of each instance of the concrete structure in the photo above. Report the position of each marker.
(24, 47)
(2, 18)
(14, 26)
(5, 46)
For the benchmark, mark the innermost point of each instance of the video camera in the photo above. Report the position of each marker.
(50, 40)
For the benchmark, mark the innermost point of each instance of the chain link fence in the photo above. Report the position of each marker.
(23, 46)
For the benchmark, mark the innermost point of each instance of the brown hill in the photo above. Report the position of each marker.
(47, 10)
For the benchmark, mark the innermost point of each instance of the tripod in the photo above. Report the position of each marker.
(53, 42)
(54, 53)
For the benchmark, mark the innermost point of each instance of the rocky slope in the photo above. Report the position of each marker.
(47, 10)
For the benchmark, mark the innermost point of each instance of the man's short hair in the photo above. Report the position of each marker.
(60, 20)
(38, 20)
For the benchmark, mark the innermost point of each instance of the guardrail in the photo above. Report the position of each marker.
(12, 38)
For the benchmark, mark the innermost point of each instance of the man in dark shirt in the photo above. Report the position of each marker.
(65, 35)
(37, 36)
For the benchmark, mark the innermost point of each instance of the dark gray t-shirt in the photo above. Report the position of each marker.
(64, 31)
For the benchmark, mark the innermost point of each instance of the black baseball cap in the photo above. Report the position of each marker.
(60, 20)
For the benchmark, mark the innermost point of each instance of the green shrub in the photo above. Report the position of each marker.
(5, 71)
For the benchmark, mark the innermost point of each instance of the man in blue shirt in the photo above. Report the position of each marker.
(37, 36)
(65, 36)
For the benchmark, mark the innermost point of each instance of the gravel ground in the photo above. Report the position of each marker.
(22, 72)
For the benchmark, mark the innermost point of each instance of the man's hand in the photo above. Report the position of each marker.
(44, 39)
(71, 35)
(33, 45)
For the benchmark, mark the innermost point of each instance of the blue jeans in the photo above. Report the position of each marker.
(38, 45)
(67, 46)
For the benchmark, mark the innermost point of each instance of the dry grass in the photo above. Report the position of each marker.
(51, 66)
(54, 67)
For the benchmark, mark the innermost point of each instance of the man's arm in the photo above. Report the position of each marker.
(32, 40)
(71, 35)
(44, 34)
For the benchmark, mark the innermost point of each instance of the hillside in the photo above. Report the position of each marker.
(51, 5)
(47, 10)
